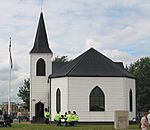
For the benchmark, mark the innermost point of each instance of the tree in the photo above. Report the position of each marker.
(24, 93)
(61, 59)
(141, 70)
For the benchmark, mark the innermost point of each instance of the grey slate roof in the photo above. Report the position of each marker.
(90, 64)
(56, 66)
(120, 64)
(41, 43)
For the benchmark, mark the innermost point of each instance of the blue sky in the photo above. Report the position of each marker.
(119, 29)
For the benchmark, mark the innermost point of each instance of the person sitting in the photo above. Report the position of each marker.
(75, 118)
(65, 118)
(57, 119)
(69, 118)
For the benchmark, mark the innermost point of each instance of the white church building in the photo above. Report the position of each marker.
(92, 85)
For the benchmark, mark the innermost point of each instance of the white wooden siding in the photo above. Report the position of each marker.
(80, 88)
(130, 84)
(39, 87)
(62, 84)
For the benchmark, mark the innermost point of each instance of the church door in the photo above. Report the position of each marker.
(39, 109)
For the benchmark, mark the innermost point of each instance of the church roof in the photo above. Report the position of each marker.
(57, 65)
(91, 64)
(41, 42)
(120, 64)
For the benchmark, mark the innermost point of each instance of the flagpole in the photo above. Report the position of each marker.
(9, 88)
(9, 80)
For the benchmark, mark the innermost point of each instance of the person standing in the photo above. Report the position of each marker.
(144, 122)
(19, 116)
(46, 116)
(148, 117)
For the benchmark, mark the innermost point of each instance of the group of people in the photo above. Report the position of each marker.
(145, 121)
(68, 119)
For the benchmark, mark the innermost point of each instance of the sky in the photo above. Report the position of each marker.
(119, 29)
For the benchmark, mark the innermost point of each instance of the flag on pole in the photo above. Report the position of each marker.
(11, 63)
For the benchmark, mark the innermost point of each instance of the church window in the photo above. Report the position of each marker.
(97, 100)
(58, 100)
(40, 67)
(130, 101)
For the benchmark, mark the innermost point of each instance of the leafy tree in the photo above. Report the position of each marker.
(61, 59)
(141, 70)
(24, 93)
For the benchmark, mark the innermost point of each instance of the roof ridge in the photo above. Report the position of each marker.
(122, 70)
(92, 63)
(77, 59)
(81, 56)
(111, 61)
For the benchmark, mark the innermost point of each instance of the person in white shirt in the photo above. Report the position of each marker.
(148, 117)
(144, 122)
(19, 116)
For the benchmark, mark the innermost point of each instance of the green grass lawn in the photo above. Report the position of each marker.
(28, 126)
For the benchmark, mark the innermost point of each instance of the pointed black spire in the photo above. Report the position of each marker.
(41, 43)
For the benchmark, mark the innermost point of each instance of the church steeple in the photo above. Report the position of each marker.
(41, 42)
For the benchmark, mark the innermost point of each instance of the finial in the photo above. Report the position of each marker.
(41, 5)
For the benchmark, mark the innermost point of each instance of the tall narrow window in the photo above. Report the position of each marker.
(40, 67)
(130, 101)
(97, 100)
(58, 100)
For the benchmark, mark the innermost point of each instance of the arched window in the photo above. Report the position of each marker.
(58, 100)
(130, 101)
(97, 100)
(40, 67)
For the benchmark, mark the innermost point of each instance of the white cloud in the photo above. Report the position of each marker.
(118, 29)
(113, 54)
(119, 56)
